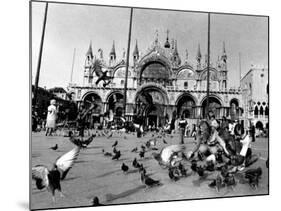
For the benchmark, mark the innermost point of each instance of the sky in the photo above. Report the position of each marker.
(75, 26)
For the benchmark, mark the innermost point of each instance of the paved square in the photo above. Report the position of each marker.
(93, 174)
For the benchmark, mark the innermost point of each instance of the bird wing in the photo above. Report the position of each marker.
(40, 175)
(168, 151)
(66, 161)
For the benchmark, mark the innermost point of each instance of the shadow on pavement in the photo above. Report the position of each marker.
(110, 197)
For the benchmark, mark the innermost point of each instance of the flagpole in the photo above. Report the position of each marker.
(127, 64)
(40, 56)
(73, 58)
(208, 67)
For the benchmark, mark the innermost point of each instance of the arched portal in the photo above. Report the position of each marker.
(151, 102)
(115, 103)
(214, 106)
(94, 115)
(186, 106)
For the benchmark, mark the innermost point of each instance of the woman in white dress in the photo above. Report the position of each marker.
(51, 118)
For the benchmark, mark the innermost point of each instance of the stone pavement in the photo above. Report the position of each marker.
(93, 174)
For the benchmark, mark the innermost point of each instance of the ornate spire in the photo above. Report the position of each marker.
(112, 53)
(198, 57)
(136, 51)
(89, 53)
(224, 56)
(167, 44)
(176, 48)
(186, 55)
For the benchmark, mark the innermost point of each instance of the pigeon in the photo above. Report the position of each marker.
(124, 167)
(108, 154)
(200, 171)
(174, 174)
(135, 163)
(142, 169)
(96, 202)
(141, 154)
(193, 165)
(143, 148)
(229, 181)
(182, 170)
(219, 183)
(78, 142)
(54, 147)
(110, 135)
(51, 179)
(117, 155)
(253, 176)
(164, 141)
(151, 142)
(115, 144)
(114, 150)
(135, 149)
(89, 140)
(168, 154)
(148, 181)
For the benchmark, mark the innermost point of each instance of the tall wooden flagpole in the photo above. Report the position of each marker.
(208, 67)
(40, 56)
(127, 64)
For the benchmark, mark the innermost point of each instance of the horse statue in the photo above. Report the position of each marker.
(102, 76)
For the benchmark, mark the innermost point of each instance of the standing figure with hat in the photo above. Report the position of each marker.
(51, 118)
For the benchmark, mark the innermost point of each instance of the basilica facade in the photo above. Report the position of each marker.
(175, 85)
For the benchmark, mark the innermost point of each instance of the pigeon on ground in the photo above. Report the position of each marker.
(110, 135)
(141, 154)
(108, 154)
(193, 165)
(253, 176)
(219, 183)
(135, 163)
(229, 181)
(142, 148)
(151, 142)
(96, 202)
(117, 155)
(200, 171)
(124, 167)
(142, 169)
(174, 174)
(135, 149)
(51, 179)
(114, 150)
(115, 144)
(54, 147)
(148, 181)
(168, 154)
(182, 170)
(81, 143)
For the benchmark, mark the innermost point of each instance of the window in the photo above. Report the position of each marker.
(261, 110)
(185, 85)
(122, 82)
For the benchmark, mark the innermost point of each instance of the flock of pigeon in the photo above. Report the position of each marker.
(170, 157)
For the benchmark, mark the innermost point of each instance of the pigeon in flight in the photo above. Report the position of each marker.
(50, 179)
(170, 155)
